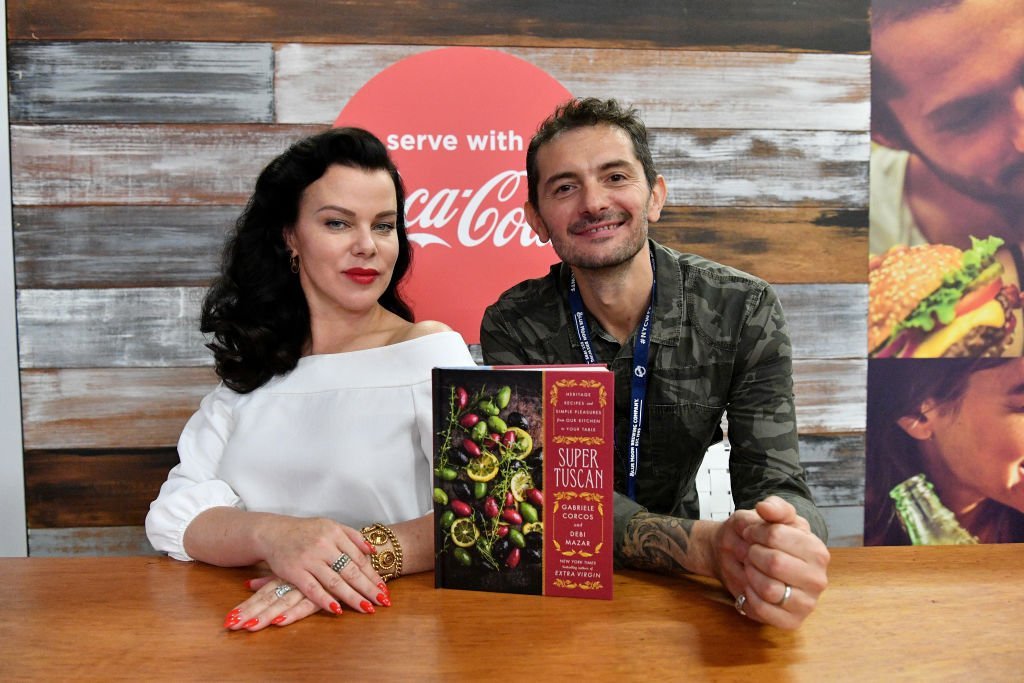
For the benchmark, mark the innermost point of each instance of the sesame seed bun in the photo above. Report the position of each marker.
(900, 279)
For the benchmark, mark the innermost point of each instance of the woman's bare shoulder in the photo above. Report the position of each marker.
(422, 329)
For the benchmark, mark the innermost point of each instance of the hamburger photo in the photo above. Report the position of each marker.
(937, 301)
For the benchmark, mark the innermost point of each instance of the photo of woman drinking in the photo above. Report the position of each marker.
(953, 427)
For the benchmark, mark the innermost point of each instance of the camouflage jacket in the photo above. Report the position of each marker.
(718, 344)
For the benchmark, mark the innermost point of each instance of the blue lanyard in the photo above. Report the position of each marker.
(638, 384)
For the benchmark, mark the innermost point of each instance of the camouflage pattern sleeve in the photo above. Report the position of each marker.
(497, 342)
(762, 416)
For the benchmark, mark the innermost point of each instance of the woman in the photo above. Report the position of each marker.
(960, 422)
(322, 424)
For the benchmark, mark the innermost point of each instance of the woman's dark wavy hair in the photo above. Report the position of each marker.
(896, 388)
(255, 310)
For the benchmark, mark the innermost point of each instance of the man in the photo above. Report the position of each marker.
(948, 122)
(717, 341)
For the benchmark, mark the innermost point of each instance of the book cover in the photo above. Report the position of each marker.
(523, 477)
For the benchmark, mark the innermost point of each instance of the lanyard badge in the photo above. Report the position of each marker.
(638, 382)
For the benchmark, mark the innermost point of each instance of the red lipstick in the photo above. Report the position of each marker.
(363, 276)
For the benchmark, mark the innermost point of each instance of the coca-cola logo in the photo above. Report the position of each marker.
(490, 214)
(457, 122)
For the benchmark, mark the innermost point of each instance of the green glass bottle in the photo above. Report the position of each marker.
(923, 516)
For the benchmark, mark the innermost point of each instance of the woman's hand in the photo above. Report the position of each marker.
(274, 603)
(324, 562)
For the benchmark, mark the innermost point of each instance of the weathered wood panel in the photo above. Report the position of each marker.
(830, 395)
(139, 327)
(835, 468)
(141, 82)
(117, 408)
(158, 326)
(845, 525)
(672, 89)
(145, 164)
(115, 540)
(131, 158)
(115, 488)
(142, 164)
(159, 246)
(763, 167)
(781, 246)
(77, 489)
(119, 246)
(109, 409)
(823, 25)
(826, 321)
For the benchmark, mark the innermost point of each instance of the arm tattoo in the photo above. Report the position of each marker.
(657, 543)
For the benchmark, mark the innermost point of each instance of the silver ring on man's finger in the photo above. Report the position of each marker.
(785, 596)
(283, 590)
(741, 600)
(341, 562)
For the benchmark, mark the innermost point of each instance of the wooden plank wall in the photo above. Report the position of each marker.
(137, 128)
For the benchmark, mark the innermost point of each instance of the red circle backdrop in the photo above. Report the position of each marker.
(457, 122)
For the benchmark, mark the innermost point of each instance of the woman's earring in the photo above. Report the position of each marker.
(293, 262)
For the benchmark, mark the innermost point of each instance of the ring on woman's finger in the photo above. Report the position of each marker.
(283, 589)
(341, 562)
(741, 600)
(785, 596)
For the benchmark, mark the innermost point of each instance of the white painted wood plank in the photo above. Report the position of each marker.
(763, 167)
(672, 88)
(830, 395)
(142, 327)
(142, 82)
(110, 408)
(65, 164)
(845, 525)
(145, 164)
(120, 246)
(826, 321)
(158, 326)
(89, 541)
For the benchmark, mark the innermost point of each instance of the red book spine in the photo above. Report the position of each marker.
(578, 473)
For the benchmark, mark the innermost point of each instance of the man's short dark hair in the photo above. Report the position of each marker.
(583, 112)
(884, 85)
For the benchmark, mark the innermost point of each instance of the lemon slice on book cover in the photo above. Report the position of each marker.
(464, 532)
(532, 527)
(521, 481)
(483, 468)
(523, 445)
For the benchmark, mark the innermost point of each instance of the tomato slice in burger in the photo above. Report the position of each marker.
(982, 295)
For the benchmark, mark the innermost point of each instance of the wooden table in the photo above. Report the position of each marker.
(889, 613)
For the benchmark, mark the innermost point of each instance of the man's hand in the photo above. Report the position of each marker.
(770, 556)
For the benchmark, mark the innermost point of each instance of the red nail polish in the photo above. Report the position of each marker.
(383, 587)
(235, 612)
(248, 584)
(336, 608)
(367, 607)
(369, 548)
(278, 619)
(231, 621)
(384, 600)
(252, 622)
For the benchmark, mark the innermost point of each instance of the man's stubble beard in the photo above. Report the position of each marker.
(1007, 202)
(608, 261)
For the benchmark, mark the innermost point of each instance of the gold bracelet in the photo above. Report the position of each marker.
(387, 563)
